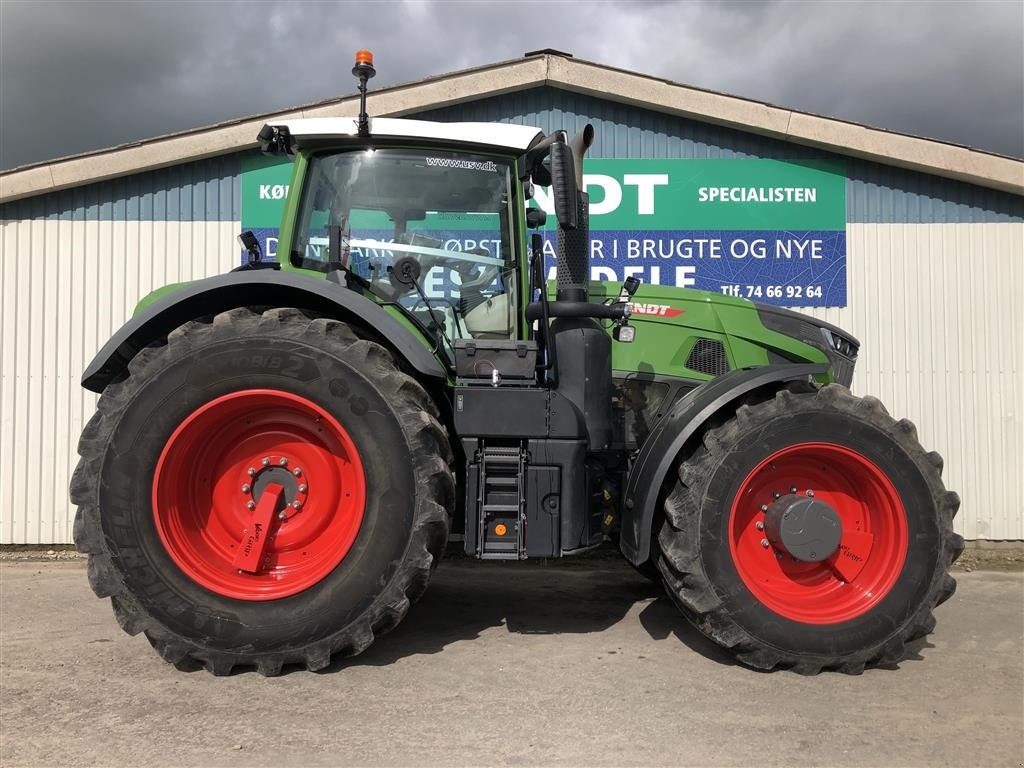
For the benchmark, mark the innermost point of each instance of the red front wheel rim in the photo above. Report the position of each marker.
(871, 552)
(211, 477)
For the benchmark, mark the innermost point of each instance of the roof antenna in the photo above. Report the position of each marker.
(364, 71)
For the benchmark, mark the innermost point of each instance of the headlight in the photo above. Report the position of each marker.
(841, 344)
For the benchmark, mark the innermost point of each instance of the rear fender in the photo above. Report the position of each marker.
(254, 288)
(661, 450)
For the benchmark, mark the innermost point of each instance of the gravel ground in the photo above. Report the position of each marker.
(506, 664)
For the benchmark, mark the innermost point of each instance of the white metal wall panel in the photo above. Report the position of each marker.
(937, 310)
(65, 287)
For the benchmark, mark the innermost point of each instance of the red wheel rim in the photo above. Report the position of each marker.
(871, 552)
(208, 483)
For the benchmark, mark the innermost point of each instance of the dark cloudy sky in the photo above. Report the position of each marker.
(84, 75)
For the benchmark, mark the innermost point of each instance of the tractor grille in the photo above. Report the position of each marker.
(708, 356)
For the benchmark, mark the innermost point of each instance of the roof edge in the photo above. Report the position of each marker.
(838, 136)
(841, 137)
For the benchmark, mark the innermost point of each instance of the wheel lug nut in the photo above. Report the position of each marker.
(297, 472)
(245, 488)
(810, 493)
(281, 515)
(759, 525)
(251, 471)
(302, 489)
(266, 461)
(792, 489)
(283, 462)
(764, 507)
(251, 505)
(775, 494)
(764, 543)
(297, 504)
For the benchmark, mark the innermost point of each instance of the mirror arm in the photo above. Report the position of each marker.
(537, 262)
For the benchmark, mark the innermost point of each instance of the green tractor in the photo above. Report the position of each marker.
(281, 454)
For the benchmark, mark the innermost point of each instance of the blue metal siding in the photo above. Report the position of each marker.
(875, 193)
(206, 190)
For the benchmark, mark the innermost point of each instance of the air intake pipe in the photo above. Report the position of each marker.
(573, 244)
(584, 347)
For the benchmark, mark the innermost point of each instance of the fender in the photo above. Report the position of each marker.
(660, 451)
(248, 288)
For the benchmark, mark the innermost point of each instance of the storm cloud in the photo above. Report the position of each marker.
(81, 76)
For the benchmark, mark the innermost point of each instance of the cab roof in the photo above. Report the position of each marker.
(518, 138)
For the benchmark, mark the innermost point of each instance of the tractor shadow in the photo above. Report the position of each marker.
(588, 594)
(585, 595)
(661, 618)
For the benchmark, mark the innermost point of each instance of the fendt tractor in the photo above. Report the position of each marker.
(280, 453)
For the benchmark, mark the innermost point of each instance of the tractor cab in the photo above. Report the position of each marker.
(428, 219)
(422, 218)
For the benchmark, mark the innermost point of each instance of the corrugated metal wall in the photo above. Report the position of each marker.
(72, 267)
(937, 310)
(934, 267)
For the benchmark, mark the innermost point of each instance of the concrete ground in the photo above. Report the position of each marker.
(568, 664)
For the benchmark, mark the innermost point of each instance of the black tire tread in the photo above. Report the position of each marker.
(678, 557)
(418, 416)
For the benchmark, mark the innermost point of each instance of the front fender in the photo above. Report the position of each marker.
(253, 288)
(662, 448)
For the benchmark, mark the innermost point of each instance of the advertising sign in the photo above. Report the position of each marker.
(769, 230)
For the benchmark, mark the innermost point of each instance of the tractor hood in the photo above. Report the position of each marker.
(670, 321)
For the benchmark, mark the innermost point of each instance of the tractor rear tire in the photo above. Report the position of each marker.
(773, 609)
(178, 458)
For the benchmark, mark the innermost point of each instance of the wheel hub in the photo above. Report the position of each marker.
(805, 528)
(281, 471)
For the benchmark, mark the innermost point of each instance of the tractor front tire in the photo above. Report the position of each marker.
(261, 489)
(778, 606)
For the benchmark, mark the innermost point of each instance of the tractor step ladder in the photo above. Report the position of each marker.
(501, 499)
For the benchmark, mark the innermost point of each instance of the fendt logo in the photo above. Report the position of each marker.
(655, 310)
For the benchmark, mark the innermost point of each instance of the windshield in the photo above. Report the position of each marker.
(427, 230)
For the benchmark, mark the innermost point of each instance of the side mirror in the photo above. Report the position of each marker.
(563, 185)
(535, 217)
(251, 244)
